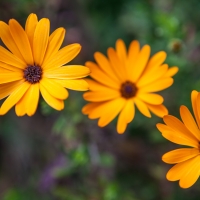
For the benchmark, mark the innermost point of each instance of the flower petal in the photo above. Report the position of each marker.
(171, 71)
(89, 107)
(6, 77)
(101, 77)
(55, 41)
(105, 95)
(152, 76)
(10, 59)
(8, 40)
(192, 174)
(158, 85)
(180, 155)
(40, 40)
(105, 65)
(8, 88)
(189, 121)
(159, 110)
(53, 102)
(21, 39)
(63, 56)
(133, 51)
(114, 110)
(150, 98)
(15, 96)
(104, 108)
(178, 127)
(142, 107)
(77, 84)
(118, 67)
(54, 89)
(126, 116)
(29, 102)
(196, 109)
(176, 137)
(30, 26)
(155, 61)
(121, 51)
(140, 63)
(68, 72)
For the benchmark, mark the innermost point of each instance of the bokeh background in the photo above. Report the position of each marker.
(64, 155)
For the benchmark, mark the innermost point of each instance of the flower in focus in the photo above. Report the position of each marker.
(125, 80)
(34, 64)
(187, 133)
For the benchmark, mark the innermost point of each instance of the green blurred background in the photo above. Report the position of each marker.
(64, 155)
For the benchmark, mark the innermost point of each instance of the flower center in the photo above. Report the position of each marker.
(128, 89)
(33, 74)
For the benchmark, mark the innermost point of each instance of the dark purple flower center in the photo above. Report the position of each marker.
(128, 89)
(33, 74)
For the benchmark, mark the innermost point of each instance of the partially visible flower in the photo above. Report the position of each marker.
(34, 64)
(125, 80)
(187, 133)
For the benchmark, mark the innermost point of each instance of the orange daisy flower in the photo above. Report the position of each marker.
(34, 64)
(125, 80)
(185, 132)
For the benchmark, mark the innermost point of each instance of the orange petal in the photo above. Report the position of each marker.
(159, 110)
(142, 107)
(180, 155)
(21, 39)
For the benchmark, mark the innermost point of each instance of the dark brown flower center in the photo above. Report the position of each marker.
(128, 89)
(33, 74)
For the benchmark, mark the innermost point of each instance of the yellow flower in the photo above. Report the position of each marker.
(126, 79)
(185, 132)
(34, 64)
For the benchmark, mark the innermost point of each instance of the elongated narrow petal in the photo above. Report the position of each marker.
(126, 115)
(189, 122)
(121, 51)
(101, 77)
(151, 98)
(10, 59)
(99, 96)
(155, 61)
(105, 65)
(30, 26)
(89, 107)
(159, 110)
(158, 85)
(103, 108)
(141, 62)
(21, 39)
(14, 98)
(53, 102)
(172, 71)
(63, 56)
(107, 117)
(8, 77)
(29, 102)
(8, 40)
(68, 72)
(192, 174)
(196, 110)
(142, 107)
(76, 84)
(54, 89)
(178, 126)
(7, 88)
(117, 66)
(180, 155)
(41, 37)
(55, 42)
(152, 76)
(177, 138)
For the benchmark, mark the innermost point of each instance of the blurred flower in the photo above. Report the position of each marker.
(187, 133)
(34, 64)
(126, 79)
